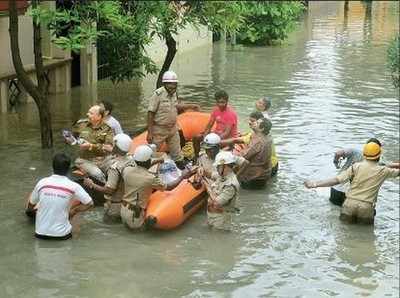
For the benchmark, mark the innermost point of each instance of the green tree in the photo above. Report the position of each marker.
(83, 16)
(393, 59)
(268, 21)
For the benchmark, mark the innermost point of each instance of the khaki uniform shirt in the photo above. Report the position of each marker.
(139, 183)
(164, 107)
(366, 179)
(98, 137)
(114, 177)
(259, 156)
(206, 163)
(227, 190)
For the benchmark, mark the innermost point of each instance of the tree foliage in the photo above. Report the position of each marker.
(393, 59)
(268, 21)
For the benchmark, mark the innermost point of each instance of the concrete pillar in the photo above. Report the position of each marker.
(60, 79)
(4, 96)
(89, 65)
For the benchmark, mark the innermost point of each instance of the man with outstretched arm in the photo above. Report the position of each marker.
(365, 179)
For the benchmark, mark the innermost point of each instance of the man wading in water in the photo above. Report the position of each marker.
(365, 179)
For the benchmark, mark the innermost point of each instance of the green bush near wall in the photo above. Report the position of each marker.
(268, 21)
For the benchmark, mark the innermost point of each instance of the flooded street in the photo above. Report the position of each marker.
(330, 89)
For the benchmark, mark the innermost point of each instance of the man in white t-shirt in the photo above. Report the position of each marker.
(54, 195)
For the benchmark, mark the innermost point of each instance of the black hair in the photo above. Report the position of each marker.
(61, 164)
(144, 164)
(108, 106)
(213, 150)
(374, 140)
(221, 94)
(265, 125)
(256, 115)
(267, 102)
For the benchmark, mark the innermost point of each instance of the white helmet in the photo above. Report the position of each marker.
(169, 77)
(123, 142)
(224, 158)
(143, 153)
(211, 140)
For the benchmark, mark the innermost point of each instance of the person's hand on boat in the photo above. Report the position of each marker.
(149, 137)
(88, 182)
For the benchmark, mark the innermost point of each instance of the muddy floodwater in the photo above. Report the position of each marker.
(330, 89)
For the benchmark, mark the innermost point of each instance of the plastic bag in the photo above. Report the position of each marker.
(169, 172)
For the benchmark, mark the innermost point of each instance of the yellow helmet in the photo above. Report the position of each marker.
(372, 151)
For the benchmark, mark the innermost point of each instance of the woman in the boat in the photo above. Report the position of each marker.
(257, 153)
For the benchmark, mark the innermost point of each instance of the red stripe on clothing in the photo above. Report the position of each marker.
(58, 188)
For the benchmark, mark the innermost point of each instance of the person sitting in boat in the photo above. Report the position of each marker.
(114, 188)
(365, 179)
(139, 183)
(53, 195)
(225, 119)
(109, 119)
(263, 105)
(96, 144)
(223, 192)
(343, 159)
(162, 115)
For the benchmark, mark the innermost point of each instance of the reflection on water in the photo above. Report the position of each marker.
(330, 89)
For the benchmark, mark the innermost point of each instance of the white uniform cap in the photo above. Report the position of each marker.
(123, 142)
(143, 153)
(169, 77)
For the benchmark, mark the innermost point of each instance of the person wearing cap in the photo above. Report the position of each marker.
(139, 183)
(263, 105)
(211, 146)
(162, 115)
(206, 158)
(97, 144)
(349, 156)
(365, 179)
(223, 192)
(114, 187)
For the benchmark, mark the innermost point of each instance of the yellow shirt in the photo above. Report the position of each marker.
(274, 158)
(366, 178)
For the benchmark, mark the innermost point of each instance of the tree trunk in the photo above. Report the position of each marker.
(171, 45)
(38, 93)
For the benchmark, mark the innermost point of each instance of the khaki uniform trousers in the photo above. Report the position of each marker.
(112, 212)
(170, 135)
(219, 220)
(95, 168)
(354, 211)
(133, 220)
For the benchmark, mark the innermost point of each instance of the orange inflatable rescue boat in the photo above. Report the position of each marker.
(167, 210)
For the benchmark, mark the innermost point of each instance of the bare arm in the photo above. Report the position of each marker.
(103, 189)
(242, 167)
(209, 125)
(227, 132)
(80, 208)
(150, 123)
(321, 183)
